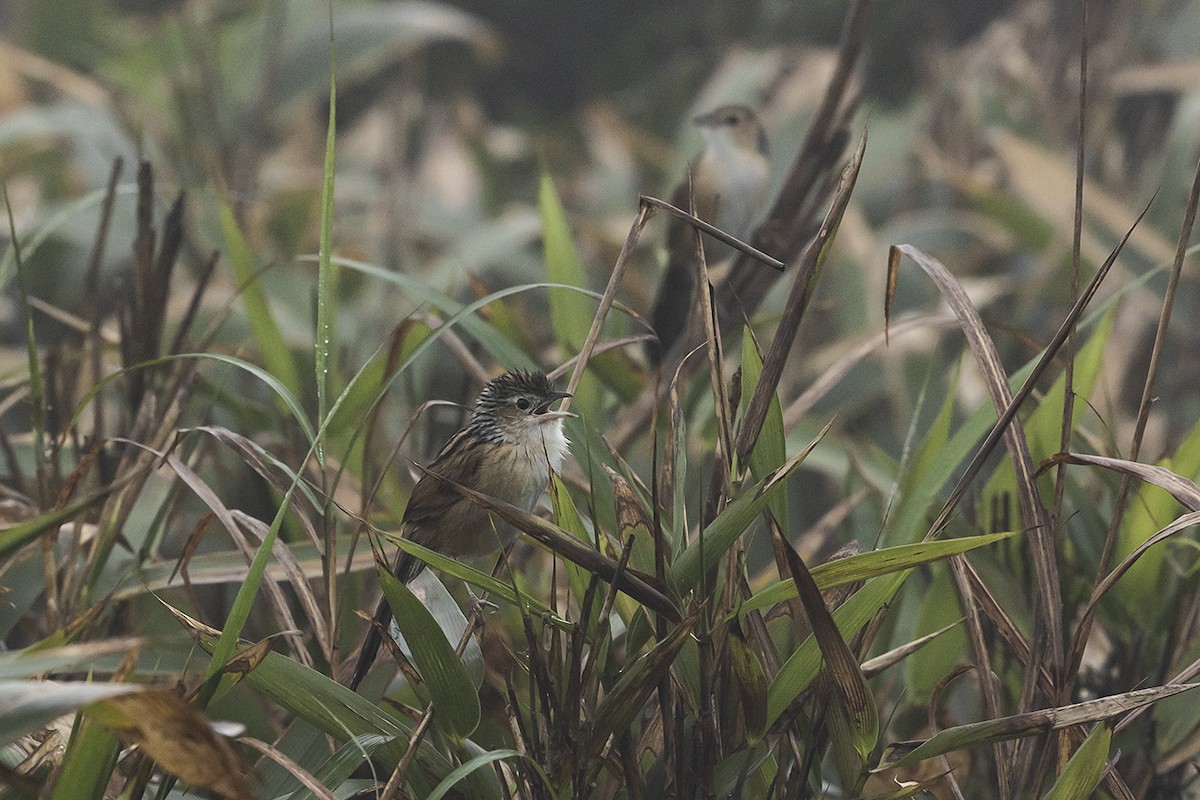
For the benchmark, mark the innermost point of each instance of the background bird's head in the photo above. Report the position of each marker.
(733, 125)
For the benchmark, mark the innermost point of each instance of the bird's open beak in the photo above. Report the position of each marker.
(543, 412)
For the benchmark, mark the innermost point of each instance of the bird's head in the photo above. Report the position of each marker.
(519, 404)
(734, 125)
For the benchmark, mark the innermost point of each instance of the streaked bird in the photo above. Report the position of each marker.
(506, 450)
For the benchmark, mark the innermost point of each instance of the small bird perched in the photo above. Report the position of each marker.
(507, 450)
(729, 182)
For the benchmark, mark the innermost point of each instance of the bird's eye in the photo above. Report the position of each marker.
(732, 119)
(523, 404)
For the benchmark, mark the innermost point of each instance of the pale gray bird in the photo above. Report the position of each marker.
(729, 182)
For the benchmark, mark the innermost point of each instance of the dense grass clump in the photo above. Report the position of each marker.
(908, 510)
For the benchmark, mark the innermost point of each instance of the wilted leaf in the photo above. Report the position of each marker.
(177, 736)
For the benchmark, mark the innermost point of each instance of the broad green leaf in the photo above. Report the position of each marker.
(1149, 509)
(938, 607)
(454, 695)
(925, 475)
(1043, 427)
(862, 566)
(88, 763)
(342, 764)
(1085, 770)
(477, 578)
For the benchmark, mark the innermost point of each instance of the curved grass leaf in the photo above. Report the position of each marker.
(1085, 769)
(1020, 725)
(477, 578)
(16, 536)
(454, 695)
(863, 566)
(482, 760)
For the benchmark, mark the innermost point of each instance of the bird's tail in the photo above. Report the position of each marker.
(406, 568)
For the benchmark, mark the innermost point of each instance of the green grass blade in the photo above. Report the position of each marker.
(326, 273)
(88, 763)
(801, 668)
(482, 760)
(864, 566)
(455, 698)
(723, 531)
(1086, 768)
(271, 345)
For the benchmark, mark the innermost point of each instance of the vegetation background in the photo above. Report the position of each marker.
(229, 326)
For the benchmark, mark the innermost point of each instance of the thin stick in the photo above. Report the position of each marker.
(714, 232)
(606, 300)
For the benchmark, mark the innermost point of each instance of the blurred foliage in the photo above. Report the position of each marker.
(173, 357)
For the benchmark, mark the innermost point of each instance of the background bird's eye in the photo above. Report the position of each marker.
(523, 404)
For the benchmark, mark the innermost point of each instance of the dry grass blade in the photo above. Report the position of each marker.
(1079, 640)
(1186, 491)
(1033, 515)
(840, 664)
(808, 268)
(1048, 719)
(606, 300)
(998, 429)
(715, 232)
(292, 767)
(879, 663)
(279, 603)
(846, 361)
(988, 682)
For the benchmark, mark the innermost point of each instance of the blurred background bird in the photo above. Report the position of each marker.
(729, 181)
(506, 450)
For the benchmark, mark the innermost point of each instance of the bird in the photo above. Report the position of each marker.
(507, 450)
(729, 181)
